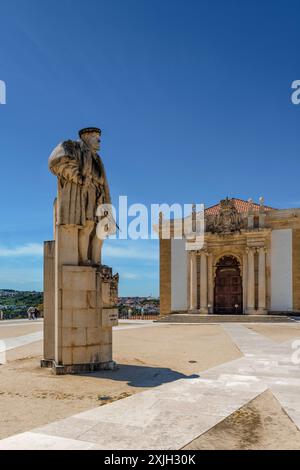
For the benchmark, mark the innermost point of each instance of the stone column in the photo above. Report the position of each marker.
(193, 280)
(251, 282)
(49, 295)
(268, 279)
(245, 281)
(210, 276)
(262, 280)
(203, 284)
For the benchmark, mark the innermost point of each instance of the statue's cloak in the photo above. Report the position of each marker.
(82, 183)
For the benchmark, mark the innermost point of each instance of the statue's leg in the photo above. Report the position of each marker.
(96, 247)
(84, 243)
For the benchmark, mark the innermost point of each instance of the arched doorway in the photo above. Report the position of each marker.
(228, 286)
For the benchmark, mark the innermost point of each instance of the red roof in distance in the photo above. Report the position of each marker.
(240, 205)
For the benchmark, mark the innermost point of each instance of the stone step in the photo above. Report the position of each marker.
(196, 318)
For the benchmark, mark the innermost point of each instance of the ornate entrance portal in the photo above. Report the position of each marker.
(228, 287)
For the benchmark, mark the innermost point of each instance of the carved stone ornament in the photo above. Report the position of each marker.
(113, 281)
(227, 221)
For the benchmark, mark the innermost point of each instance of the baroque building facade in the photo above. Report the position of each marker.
(247, 263)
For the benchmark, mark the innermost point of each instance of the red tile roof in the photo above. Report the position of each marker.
(240, 205)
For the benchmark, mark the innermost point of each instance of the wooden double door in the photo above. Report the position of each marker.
(228, 287)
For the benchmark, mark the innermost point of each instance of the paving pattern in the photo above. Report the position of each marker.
(173, 414)
(18, 341)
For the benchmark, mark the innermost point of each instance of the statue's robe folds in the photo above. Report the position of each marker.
(82, 183)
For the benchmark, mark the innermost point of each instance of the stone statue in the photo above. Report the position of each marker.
(82, 187)
(80, 294)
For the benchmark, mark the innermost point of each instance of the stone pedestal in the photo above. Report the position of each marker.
(49, 296)
(79, 313)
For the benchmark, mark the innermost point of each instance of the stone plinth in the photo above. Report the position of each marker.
(49, 307)
(79, 316)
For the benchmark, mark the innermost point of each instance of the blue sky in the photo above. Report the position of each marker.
(193, 98)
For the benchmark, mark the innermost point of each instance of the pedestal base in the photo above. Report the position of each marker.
(203, 311)
(261, 311)
(250, 311)
(79, 319)
(77, 368)
(256, 312)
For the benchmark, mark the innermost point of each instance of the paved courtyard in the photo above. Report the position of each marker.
(178, 386)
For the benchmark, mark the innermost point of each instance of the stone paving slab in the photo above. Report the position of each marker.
(174, 414)
(10, 343)
(18, 341)
(36, 441)
(167, 417)
(272, 363)
(22, 321)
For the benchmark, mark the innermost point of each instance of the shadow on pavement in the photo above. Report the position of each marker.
(142, 376)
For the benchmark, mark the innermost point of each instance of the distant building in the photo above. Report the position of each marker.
(249, 262)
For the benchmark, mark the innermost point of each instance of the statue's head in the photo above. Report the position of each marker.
(91, 137)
